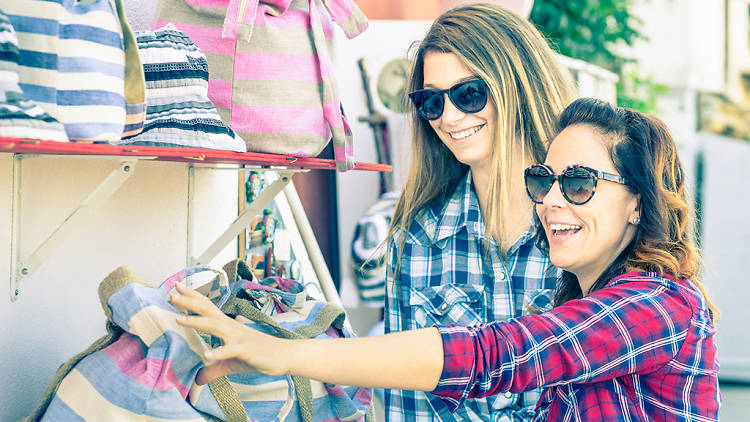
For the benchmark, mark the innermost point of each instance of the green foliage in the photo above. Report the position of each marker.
(596, 31)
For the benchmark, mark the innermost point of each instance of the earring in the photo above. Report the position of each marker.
(636, 220)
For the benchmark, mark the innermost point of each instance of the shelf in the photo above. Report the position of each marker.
(127, 158)
(183, 155)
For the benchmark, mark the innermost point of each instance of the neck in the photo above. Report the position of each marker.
(520, 209)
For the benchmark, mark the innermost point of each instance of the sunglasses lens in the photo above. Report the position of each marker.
(538, 183)
(578, 185)
(470, 96)
(428, 103)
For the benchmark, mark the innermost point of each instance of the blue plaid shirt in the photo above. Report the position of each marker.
(445, 277)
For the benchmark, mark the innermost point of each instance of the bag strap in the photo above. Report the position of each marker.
(329, 315)
(341, 133)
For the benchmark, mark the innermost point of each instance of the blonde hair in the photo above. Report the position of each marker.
(528, 88)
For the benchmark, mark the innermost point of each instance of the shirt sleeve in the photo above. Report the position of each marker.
(632, 327)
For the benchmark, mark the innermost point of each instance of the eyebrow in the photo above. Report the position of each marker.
(467, 78)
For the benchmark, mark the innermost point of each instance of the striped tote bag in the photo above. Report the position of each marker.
(72, 57)
(145, 367)
(271, 72)
(19, 116)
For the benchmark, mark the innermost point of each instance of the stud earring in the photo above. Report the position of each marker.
(636, 220)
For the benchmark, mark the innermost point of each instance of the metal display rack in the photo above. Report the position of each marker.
(127, 158)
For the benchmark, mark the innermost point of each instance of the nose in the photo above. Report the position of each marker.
(554, 197)
(451, 114)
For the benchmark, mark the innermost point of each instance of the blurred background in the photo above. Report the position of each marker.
(685, 61)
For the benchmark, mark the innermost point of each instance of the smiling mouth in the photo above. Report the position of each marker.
(457, 136)
(563, 230)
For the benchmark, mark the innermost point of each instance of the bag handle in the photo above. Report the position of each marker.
(220, 283)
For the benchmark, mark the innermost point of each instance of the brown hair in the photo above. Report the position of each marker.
(644, 153)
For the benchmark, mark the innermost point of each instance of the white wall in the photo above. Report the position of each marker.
(143, 225)
(726, 249)
(685, 46)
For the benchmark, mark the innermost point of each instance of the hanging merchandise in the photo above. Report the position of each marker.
(179, 113)
(19, 116)
(253, 186)
(269, 226)
(271, 72)
(79, 62)
(368, 250)
(145, 367)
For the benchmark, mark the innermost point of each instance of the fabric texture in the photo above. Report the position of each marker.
(640, 349)
(447, 277)
(179, 113)
(19, 116)
(73, 64)
(271, 73)
(144, 368)
(281, 307)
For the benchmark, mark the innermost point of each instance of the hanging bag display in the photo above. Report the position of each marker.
(79, 61)
(19, 116)
(271, 72)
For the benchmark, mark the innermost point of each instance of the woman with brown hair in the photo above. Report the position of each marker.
(631, 333)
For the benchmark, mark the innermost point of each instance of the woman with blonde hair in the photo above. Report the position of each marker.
(486, 90)
(631, 336)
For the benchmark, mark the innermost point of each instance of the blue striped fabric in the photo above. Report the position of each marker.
(19, 116)
(148, 371)
(72, 63)
(178, 111)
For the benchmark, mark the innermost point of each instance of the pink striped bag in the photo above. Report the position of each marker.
(271, 75)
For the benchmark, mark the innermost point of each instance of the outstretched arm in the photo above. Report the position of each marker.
(410, 360)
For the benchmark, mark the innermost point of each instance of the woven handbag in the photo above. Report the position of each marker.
(79, 61)
(19, 116)
(282, 308)
(145, 367)
(271, 72)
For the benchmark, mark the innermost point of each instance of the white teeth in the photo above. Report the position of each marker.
(465, 133)
(563, 227)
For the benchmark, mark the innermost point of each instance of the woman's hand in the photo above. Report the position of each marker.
(243, 349)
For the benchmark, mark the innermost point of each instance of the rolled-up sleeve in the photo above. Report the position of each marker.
(624, 329)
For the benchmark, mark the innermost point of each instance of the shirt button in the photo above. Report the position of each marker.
(502, 276)
(508, 394)
(444, 306)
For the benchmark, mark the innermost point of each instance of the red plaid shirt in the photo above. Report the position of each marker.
(640, 349)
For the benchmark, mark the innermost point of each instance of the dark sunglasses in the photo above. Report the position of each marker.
(577, 183)
(468, 96)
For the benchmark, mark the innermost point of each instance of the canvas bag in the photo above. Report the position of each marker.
(145, 367)
(178, 111)
(19, 116)
(282, 308)
(271, 73)
(79, 62)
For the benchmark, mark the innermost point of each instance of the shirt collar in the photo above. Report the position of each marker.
(444, 219)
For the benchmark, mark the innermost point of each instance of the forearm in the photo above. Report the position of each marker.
(409, 360)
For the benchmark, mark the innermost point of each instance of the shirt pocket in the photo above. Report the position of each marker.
(449, 304)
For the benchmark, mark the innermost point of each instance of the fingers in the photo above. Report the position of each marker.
(210, 373)
(194, 302)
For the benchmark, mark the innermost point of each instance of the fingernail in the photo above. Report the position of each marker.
(209, 354)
